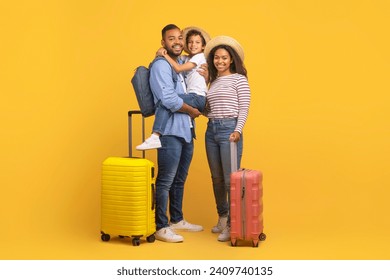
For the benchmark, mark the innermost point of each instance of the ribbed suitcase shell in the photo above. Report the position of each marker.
(246, 206)
(127, 198)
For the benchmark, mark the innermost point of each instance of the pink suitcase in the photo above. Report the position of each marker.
(246, 205)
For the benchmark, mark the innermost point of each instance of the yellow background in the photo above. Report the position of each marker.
(318, 125)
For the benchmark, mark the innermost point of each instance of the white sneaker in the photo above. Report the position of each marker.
(186, 226)
(222, 221)
(168, 235)
(225, 235)
(150, 143)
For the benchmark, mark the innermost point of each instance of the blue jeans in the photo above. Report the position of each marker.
(219, 159)
(162, 114)
(174, 159)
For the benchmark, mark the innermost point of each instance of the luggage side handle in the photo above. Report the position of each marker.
(153, 196)
(153, 191)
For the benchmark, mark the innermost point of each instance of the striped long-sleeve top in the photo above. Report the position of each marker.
(229, 97)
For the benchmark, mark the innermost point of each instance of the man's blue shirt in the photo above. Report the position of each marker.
(163, 88)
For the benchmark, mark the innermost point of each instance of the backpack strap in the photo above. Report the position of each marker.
(174, 74)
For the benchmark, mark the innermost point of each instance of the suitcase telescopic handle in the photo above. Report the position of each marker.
(130, 130)
(233, 157)
(234, 165)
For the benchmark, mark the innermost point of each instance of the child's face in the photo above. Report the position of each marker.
(194, 44)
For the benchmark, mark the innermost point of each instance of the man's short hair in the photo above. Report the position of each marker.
(167, 28)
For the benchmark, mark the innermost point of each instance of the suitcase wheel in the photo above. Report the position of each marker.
(136, 241)
(233, 242)
(151, 238)
(105, 237)
(262, 236)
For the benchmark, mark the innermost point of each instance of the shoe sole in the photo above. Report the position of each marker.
(224, 240)
(149, 148)
(169, 240)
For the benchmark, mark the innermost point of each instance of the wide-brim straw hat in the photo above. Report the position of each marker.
(224, 40)
(205, 35)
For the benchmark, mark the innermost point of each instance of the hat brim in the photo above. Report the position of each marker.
(205, 35)
(224, 40)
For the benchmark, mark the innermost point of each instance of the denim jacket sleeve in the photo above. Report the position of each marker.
(163, 87)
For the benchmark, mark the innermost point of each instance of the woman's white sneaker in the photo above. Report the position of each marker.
(222, 222)
(225, 234)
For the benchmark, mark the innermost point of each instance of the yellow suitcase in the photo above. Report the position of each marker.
(128, 197)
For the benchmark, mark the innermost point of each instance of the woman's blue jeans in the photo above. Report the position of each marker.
(174, 159)
(219, 159)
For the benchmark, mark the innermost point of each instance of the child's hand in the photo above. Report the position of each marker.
(161, 52)
(203, 70)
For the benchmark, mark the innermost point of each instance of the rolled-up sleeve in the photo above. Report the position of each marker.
(163, 87)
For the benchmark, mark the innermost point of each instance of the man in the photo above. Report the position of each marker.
(175, 155)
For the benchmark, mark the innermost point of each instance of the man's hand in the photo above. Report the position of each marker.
(191, 111)
(194, 113)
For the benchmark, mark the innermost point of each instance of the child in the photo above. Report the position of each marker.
(195, 42)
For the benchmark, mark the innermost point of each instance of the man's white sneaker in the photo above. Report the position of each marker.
(150, 143)
(186, 226)
(222, 221)
(168, 235)
(225, 235)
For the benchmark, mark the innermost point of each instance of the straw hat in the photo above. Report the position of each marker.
(205, 35)
(224, 40)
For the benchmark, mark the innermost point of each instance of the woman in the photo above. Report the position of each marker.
(228, 104)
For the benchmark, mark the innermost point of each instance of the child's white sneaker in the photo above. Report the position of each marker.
(153, 142)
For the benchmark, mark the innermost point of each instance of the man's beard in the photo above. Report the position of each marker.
(171, 52)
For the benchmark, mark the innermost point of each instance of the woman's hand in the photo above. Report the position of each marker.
(235, 137)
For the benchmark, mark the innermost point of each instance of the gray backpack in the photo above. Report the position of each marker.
(142, 89)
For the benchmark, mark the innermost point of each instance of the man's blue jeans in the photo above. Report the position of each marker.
(219, 159)
(174, 159)
(162, 114)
